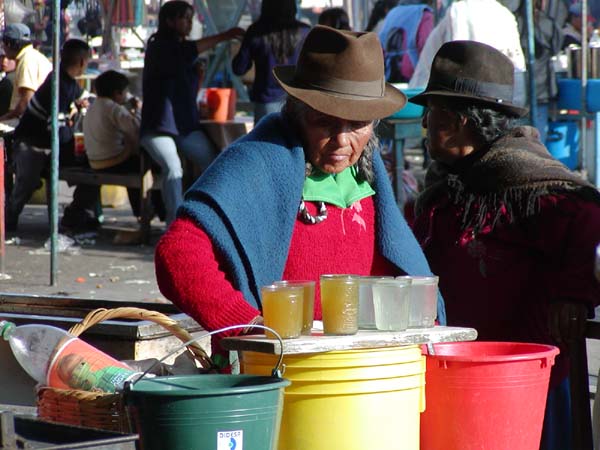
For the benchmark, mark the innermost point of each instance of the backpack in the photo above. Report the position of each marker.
(399, 40)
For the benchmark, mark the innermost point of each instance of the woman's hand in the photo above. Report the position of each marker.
(234, 33)
(567, 321)
(206, 43)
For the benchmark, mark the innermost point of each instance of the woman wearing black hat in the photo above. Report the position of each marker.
(510, 231)
(305, 193)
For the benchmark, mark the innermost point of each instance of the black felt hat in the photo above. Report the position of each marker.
(472, 71)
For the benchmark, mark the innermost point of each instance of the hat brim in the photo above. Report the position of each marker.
(506, 108)
(349, 107)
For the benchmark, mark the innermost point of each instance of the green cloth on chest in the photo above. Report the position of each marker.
(340, 189)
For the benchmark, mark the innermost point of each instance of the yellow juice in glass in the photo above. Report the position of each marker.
(282, 310)
(308, 312)
(339, 304)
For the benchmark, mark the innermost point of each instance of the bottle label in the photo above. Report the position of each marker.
(79, 365)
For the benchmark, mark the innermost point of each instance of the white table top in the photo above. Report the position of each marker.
(318, 343)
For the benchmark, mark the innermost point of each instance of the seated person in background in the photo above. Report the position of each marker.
(30, 72)
(335, 18)
(7, 66)
(510, 231)
(112, 127)
(32, 143)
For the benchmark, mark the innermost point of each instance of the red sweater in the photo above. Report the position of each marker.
(189, 270)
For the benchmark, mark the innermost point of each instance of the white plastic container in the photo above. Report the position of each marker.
(423, 301)
(366, 310)
(391, 299)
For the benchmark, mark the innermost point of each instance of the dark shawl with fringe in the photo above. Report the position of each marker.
(506, 180)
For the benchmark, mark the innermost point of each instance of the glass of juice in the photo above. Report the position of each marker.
(308, 312)
(282, 310)
(339, 304)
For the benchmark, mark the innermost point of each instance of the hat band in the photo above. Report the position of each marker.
(500, 92)
(367, 89)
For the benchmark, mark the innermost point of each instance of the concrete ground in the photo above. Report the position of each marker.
(96, 268)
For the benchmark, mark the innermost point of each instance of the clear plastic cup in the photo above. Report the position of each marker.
(339, 304)
(282, 310)
(391, 299)
(308, 312)
(423, 301)
(366, 310)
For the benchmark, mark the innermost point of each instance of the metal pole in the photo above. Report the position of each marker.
(584, 75)
(55, 144)
(531, 60)
(2, 212)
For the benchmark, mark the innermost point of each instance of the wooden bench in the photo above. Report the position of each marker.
(143, 180)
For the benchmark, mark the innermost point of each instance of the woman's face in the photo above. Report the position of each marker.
(182, 25)
(333, 144)
(441, 126)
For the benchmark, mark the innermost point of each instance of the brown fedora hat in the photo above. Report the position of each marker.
(341, 73)
(475, 72)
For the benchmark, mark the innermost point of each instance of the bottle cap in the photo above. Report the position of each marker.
(5, 328)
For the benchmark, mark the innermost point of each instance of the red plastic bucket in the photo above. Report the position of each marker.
(486, 395)
(221, 103)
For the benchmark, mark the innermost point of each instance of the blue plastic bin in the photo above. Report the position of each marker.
(592, 95)
(410, 111)
(562, 142)
(569, 94)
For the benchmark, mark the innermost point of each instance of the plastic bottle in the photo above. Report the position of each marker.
(55, 358)
(78, 137)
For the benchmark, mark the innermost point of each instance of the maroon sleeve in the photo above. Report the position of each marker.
(570, 232)
(189, 274)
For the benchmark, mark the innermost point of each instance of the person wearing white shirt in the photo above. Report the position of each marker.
(485, 21)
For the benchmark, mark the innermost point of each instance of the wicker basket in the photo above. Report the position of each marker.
(97, 409)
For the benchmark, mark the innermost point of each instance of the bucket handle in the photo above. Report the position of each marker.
(277, 371)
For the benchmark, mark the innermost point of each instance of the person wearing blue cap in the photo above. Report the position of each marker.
(572, 29)
(31, 70)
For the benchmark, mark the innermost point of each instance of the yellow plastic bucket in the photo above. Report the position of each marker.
(352, 400)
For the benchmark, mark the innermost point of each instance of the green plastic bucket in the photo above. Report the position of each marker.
(207, 412)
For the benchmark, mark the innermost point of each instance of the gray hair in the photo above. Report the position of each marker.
(295, 111)
(487, 123)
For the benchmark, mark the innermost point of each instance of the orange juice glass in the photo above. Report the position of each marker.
(282, 310)
(308, 312)
(339, 304)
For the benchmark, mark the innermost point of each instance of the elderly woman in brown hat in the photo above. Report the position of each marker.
(510, 231)
(305, 193)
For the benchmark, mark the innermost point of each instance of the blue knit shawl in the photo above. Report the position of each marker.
(247, 202)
